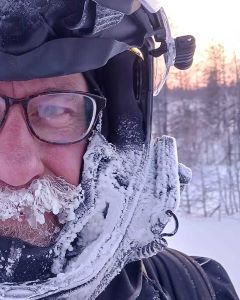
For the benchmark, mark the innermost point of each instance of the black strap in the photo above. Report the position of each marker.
(60, 57)
(179, 276)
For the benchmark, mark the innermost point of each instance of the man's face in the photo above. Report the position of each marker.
(23, 157)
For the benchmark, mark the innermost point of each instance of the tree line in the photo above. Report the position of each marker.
(201, 109)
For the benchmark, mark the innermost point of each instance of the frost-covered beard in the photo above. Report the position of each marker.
(35, 214)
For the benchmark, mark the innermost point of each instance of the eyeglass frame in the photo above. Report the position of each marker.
(99, 100)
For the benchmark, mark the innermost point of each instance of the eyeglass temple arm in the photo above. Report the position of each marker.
(89, 76)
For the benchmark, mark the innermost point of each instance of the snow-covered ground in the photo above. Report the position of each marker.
(211, 238)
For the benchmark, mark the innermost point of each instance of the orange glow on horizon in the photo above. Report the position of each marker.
(211, 22)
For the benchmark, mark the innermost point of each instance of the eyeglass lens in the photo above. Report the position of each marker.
(59, 117)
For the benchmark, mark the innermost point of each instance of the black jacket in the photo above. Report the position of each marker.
(171, 275)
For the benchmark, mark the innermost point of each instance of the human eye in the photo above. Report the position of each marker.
(54, 107)
(57, 111)
(53, 111)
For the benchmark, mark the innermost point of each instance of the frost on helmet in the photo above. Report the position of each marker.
(21, 21)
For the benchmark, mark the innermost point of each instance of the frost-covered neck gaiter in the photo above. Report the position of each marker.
(125, 196)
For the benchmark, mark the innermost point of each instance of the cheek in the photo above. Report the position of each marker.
(63, 161)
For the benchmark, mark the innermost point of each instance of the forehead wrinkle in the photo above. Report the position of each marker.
(23, 89)
(7, 86)
(73, 82)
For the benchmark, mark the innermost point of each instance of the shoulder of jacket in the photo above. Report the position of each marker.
(174, 268)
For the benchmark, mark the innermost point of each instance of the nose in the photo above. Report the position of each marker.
(20, 160)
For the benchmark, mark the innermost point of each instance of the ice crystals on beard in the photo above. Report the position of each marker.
(45, 195)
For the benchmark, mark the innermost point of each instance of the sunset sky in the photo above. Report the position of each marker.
(208, 20)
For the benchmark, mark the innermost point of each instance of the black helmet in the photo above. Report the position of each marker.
(52, 38)
(125, 49)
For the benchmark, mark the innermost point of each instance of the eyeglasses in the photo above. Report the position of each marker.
(58, 117)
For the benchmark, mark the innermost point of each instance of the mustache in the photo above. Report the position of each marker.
(43, 195)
